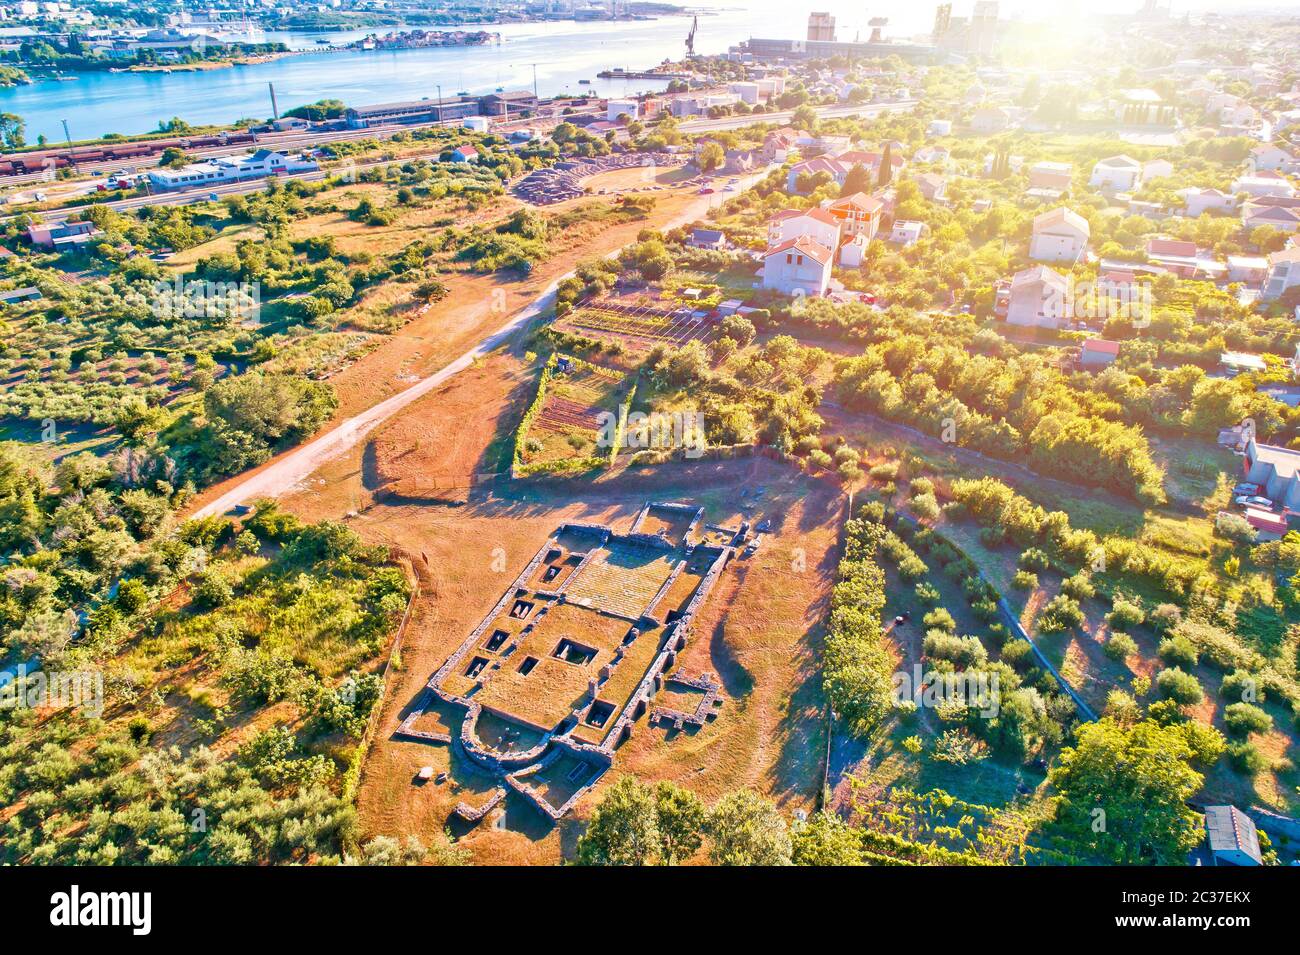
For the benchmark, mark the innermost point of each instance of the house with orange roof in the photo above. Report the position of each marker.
(799, 266)
(816, 223)
(859, 214)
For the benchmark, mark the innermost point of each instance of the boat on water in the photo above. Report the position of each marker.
(584, 82)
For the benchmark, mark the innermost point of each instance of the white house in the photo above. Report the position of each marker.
(1116, 174)
(1038, 298)
(1270, 158)
(1281, 218)
(798, 266)
(1278, 469)
(908, 232)
(1060, 235)
(1197, 202)
(258, 165)
(854, 251)
(817, 224)
(1247, 269)
(1157, 169)
(939, 127)
(1283, 273)
(1269, 185)
(615, 108)
(990, 119)
(811, 167)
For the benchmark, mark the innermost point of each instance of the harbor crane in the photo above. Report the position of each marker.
(690, 37)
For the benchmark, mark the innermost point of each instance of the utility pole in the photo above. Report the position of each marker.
(275, 110)
(535, 81)
(68, 137)
(439, 87)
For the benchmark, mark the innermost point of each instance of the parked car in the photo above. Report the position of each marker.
(1246, 488)
(1258, 501)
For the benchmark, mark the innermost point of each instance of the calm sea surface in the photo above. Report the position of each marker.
(99, 103)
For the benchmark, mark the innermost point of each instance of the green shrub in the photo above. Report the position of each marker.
(1246, 758)
(1125, 614)
(1034, 559)
(1024, 580)
(1120, 647)
(1179, 651)
(1060, 614)
(940, 619)
(1179, 686)
(1242, 719)
(1241, 686)
(1080, 586)
(928, 593)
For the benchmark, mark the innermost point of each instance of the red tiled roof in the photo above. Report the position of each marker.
(861, 200)
(809, 247)
(1102, 346)
(1160, 246)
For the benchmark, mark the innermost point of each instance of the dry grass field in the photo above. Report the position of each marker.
(759, 632)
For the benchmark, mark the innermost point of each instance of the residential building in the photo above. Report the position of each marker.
(61, 235)
(1283, 273)
(615, 108)
(1281, 218)
(1197, 202)
(1060, 235)
(818, 224)
(907, 232)
(812, 167)
(854, 251)
(1266, 185)
(859, 214)
(1038, 298)
(1116, 174)
(799, 266)
(871, 160)
(1157, 169)
(1051, 175)
(464, 154)
(707, 239)
(740, 161)
(934, 187)
(1247, 269)
(1276, 469)
(1270, 158)
(1098, 353)
(990, 119)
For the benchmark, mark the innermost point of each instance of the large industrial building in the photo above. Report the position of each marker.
(445, 110)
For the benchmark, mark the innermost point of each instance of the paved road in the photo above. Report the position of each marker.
(823, 112)
(297, 465)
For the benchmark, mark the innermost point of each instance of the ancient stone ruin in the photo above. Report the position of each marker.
(575, 651)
